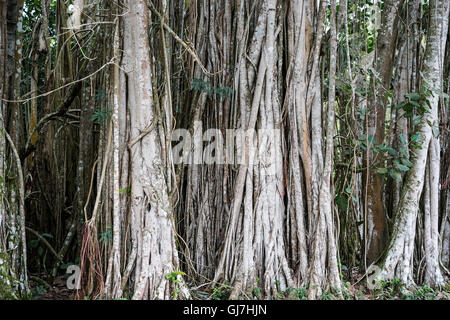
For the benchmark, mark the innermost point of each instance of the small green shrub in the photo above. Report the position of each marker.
(222, 292)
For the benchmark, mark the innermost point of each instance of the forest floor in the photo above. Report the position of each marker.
(394, 290)
(56, 290)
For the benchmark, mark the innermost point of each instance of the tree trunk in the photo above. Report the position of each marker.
(376, 228)
(154, 230)
(398, 260)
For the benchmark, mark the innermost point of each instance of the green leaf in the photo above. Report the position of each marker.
(173, 276)
(416, 120)
(403, 150)
(65, 265)
(382, 147)
(363, 146)
(341, 202)
(127, 189)
(395, 175)
(415, 104)
(401, 167)
(408, 107)
(392, 151)
(34, 243)
(415, 137)
(400, 105)
(257, 292)
(435, 131)
(409, 114)
(179, 273)
(101, 115)
(382, 170)
(406, 162)
(413, 96)
(402, 139)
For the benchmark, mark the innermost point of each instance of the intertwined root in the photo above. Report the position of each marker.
(91, 275)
